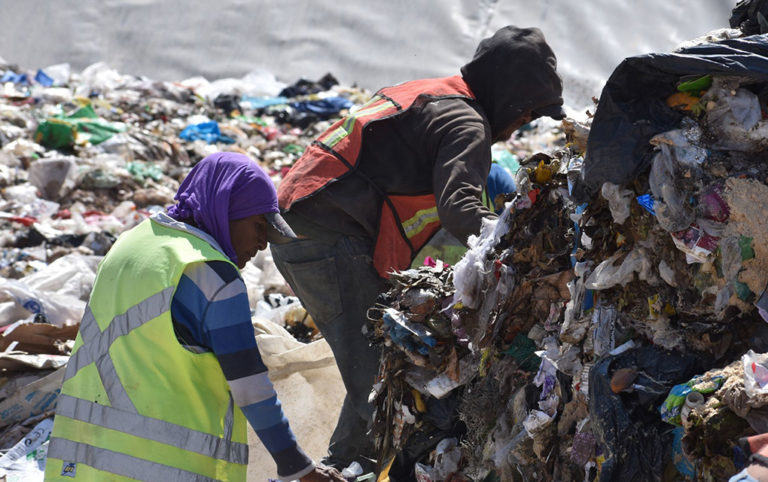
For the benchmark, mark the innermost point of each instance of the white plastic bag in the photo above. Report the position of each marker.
(755, 373)
(618, 201)
(607, 274)
(53, 177)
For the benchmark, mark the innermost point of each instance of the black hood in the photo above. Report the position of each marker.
(513, 72)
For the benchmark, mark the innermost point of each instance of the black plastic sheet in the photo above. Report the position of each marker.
(632, 106)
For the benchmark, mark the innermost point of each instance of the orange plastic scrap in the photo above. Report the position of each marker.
(682, 100)
(622, 379)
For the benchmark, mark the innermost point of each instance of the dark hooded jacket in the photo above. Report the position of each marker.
(514, 72)
(441, 147)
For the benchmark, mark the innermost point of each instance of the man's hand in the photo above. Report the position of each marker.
(323, 473)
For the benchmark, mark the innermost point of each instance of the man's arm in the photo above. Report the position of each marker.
(459, 141)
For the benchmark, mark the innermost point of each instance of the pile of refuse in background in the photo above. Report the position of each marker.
(85, 156)
(611, 324)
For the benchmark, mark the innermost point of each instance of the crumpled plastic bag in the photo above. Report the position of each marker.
(53, 177)
(734, 117)
(57, 292)
(607, 274)
(618, 201)
(470, 271)
(755, 373)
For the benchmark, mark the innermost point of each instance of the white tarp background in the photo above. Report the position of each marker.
(371, 44)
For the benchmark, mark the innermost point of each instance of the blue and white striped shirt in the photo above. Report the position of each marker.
(210, 312)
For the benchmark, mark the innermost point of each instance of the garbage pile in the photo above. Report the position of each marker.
(611, 324)
(85, 156)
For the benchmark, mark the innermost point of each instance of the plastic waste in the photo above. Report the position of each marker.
(755, 373)
(734, 117)
(692, 401)
(43, 79)
(257, 103)
(82, 126)
(608, 274)
(447, 457)
(634, 446)
(99, 77)
(352, 471)
(24, 461)
(323, 108)
(682, 463)
(505, 159)
(698, 246)
(670, 205)
(13, 77)
(469, 271)
(58, 73)
(53, 177)
(672, 407)
(205, 131)
(762, 304)
(618, 149)
(618, 201)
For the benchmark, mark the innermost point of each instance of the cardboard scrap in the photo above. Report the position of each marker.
(33, 399)
(38, 337)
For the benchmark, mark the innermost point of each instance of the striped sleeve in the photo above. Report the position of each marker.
(211, 313)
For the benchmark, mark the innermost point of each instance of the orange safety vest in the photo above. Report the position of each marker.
(406, 222)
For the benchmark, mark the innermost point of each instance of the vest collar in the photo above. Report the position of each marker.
(169, 222)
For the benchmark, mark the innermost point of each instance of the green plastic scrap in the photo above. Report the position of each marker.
(142, 170)
(293, 149)
(522, 350)
(55, 134)
(696, 85)
(252, 120)
(743, 291)
(747, 252)
(62, 131)
(506, 159)
(673, 404)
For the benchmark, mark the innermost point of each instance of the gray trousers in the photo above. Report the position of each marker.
(337, 283)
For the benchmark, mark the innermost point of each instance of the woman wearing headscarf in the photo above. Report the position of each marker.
(165, 370)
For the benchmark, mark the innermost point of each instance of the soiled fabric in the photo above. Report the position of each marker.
(224, 187)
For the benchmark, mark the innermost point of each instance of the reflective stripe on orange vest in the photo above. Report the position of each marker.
(420, 221)
(375, 106)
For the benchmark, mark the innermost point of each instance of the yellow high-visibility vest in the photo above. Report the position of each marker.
(135, 404)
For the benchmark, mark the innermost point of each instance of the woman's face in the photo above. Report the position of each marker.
(248, 236)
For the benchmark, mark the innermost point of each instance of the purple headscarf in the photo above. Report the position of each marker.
(224, 187)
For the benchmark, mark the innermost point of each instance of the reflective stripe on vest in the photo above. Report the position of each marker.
(122, 415)
(420, 221)
(118, 463)
(96, 344)
(154, 429)
(373, 107)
